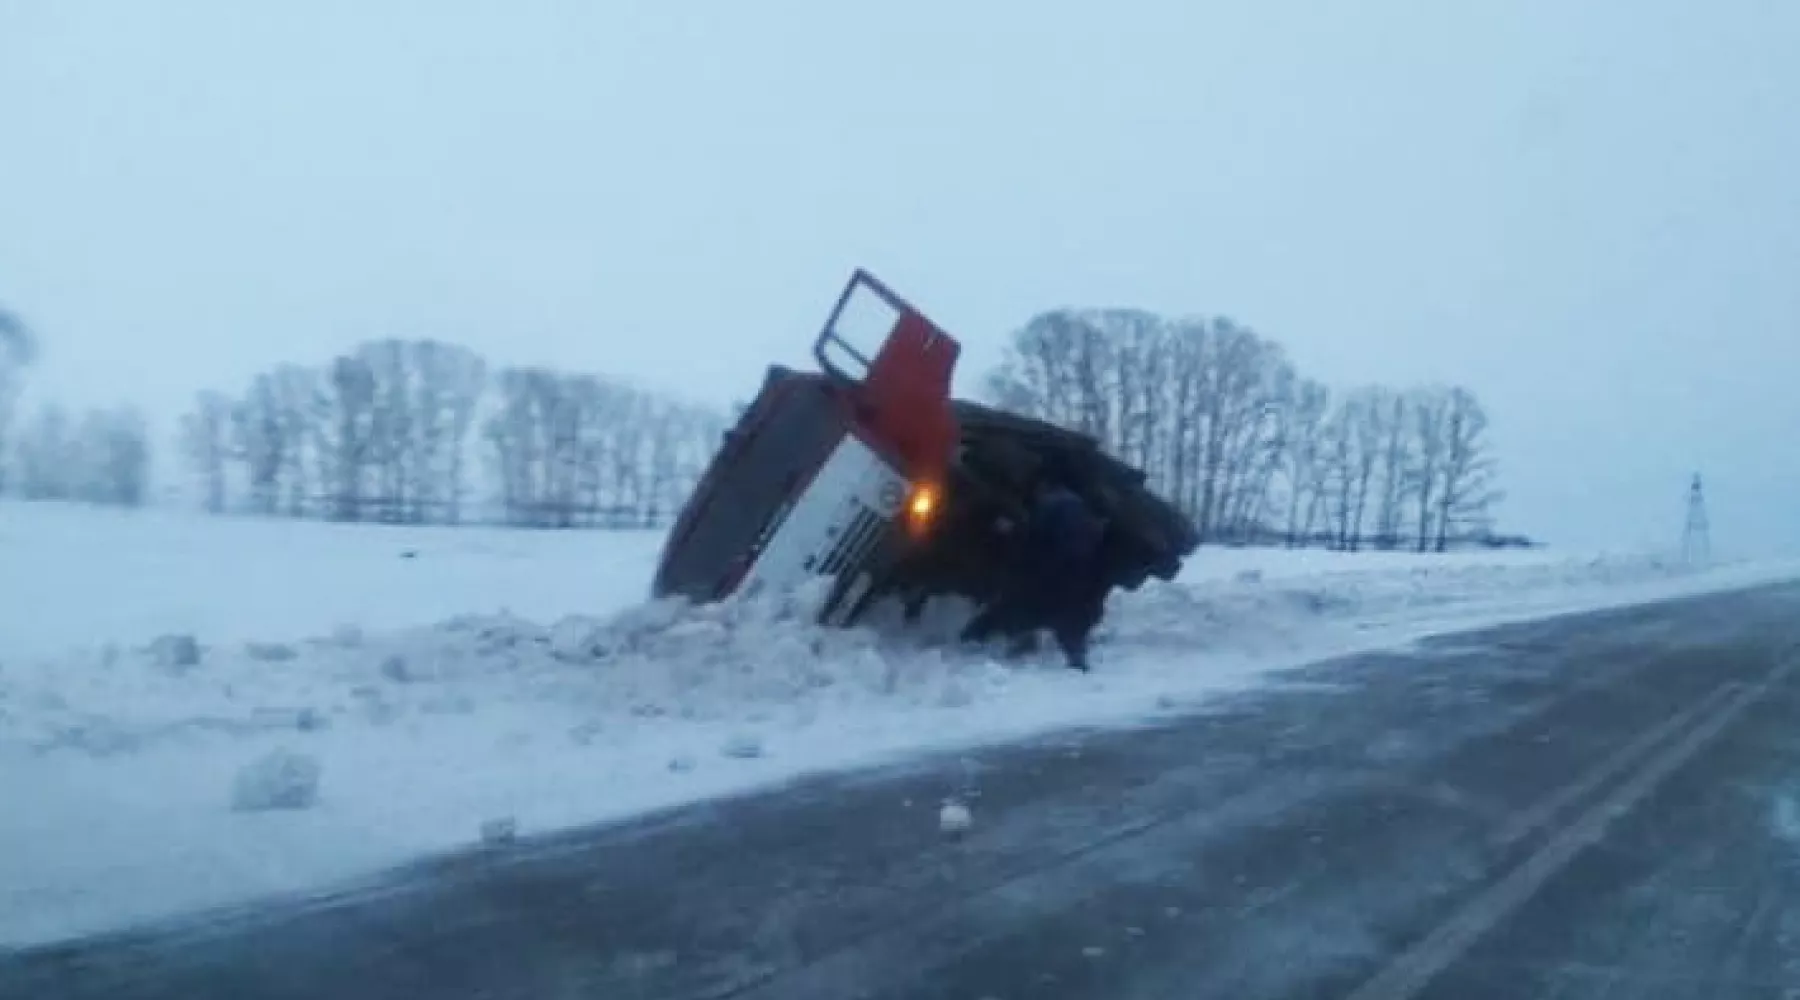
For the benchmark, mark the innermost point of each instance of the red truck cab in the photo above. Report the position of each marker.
(826, 472)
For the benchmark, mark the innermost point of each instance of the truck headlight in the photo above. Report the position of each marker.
(922, 505)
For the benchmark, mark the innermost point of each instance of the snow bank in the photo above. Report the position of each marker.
(595, 706)
(279, 779)
(72, 574)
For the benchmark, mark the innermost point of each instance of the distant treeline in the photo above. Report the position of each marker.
(422, 432)
(425, 432)
(1255, 452)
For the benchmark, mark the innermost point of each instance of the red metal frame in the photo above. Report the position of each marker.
(903, 395)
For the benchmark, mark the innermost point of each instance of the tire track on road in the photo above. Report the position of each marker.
(1413, 970)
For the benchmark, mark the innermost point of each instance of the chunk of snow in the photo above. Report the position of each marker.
(499, 832)
(305, 719)
(743, 746)
(174, 652)
(956, 695)
(1785, 818)
(395, 669)
(575, 639)
(279, 779)
(270, 652)
(954, 818)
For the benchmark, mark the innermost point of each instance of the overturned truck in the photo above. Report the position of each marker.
(869, 473)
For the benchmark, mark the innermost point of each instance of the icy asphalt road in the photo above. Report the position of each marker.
(1604, 805)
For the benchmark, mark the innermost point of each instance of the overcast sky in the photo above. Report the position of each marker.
(1587, 211)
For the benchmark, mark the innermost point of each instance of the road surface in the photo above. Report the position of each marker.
(1595, 806)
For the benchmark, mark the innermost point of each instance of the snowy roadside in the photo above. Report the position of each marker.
(128, 759)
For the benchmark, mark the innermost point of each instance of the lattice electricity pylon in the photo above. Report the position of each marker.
(1696, 537)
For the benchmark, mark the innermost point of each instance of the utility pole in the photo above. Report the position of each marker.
(1696, 537)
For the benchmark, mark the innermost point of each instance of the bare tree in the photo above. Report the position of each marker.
(623, 432)
(1189, 351)
(205, 442)
(1338, 455)
(1052, 369)
(462, 376)
(1251, 440)
(391, 457)
(696, 432)
(1140, 347)
(663, 433)
(512, 436)
(580, 432)
(1397, 451)
(116, 446)
(679, 442)
(559, 402)
(349, 429)
(99, 456)
(18, 345)
(1468, 490)
(1303, 464)
(1368, 408)
(530, 439)
(1428, 411)
(261, 438)
(293, 393)
(49, 460)
(449, 382)
(18, 350)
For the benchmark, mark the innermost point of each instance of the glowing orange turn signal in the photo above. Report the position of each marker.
(922, 505)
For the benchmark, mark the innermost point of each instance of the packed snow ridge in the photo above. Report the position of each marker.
(199, 764)
(752, 662)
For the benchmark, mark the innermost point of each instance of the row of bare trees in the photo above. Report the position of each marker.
(424, 432)
(566, 447)
(95, 456)
(1255, 452)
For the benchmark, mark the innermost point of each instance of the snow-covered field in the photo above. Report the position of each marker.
(416, 684)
